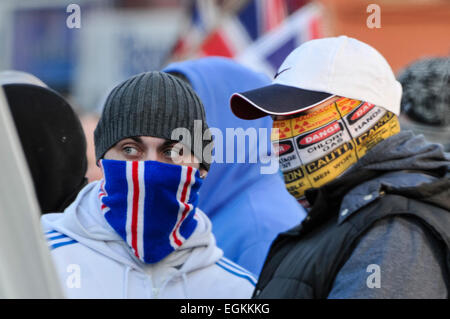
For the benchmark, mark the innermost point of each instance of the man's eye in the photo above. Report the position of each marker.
(130, 151)
(174, 152)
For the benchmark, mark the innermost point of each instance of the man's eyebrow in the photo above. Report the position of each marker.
(167, 143)
(137, 139)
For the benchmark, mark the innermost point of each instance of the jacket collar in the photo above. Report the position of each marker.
(416, 160)
(360, 188)
(372, 190)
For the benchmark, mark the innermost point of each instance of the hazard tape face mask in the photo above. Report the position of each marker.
(151, 205)
(317, 147)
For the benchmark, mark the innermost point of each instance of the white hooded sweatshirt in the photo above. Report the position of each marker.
(93, 261)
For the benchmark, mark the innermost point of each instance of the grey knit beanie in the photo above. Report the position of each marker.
(426, 99)
(153, 104)
(426, 94)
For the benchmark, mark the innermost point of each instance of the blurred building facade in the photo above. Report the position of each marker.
(119, 38)
(410, 29)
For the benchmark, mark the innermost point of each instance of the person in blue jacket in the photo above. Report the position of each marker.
(247, 209)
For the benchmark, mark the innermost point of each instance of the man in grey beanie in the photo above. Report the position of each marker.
(153, 104)
(138, 232)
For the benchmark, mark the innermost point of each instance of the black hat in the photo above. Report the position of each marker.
(53, 142)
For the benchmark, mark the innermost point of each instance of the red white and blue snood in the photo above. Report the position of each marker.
(151, 205)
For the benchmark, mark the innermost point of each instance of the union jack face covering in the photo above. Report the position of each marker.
(150, 204)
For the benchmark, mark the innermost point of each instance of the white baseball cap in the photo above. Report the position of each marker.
(317, 71)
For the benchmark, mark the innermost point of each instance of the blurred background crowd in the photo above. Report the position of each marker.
(119, 38)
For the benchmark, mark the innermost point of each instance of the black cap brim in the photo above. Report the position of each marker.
(275, 99)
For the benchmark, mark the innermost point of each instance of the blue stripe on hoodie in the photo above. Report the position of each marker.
(247, 209)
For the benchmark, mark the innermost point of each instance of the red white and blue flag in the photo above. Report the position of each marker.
(268, 52)
(259, 34)
(194, 29)
(237, 30)
(151, 205)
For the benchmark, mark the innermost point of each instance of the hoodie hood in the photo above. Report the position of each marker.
(238, 199)
(386, 164)
(405, 151)
(84, 222)
(226, 181)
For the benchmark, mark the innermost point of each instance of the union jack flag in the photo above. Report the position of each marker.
(269, 51)
(258, 33)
